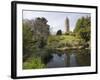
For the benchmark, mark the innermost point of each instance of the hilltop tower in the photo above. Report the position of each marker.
(67, 24)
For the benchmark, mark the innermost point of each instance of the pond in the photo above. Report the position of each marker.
(73, 58)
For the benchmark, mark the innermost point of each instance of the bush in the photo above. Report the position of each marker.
(34, 63)
(72, 34)
(66, 33)
(61, 45)
(68, 44)
(59, 32)
(85, 34)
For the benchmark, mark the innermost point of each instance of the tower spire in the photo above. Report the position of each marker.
(67, 24)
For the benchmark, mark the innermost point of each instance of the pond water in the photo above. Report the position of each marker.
(70, 59)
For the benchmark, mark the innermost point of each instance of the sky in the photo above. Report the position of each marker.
(56, 20)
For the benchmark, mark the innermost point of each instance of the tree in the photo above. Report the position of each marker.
(83, 27)
(27, 40)
(41, 31)
(59, 32)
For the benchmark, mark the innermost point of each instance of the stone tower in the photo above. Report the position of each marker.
(67, 24)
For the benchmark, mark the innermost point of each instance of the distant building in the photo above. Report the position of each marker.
(67, 27)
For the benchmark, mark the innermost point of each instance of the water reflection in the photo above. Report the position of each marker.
(56, 61)
(73, 61)
(70, 59)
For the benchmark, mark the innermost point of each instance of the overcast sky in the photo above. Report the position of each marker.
(56, 20)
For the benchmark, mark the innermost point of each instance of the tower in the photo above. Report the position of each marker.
(67, 24)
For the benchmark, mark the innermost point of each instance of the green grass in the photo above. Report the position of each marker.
(62, 38)
(56, 41)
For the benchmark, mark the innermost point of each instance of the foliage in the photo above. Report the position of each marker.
(38, 43)
(67, 33)
(63, 41)
(35, 34)
(34, 63)
(41, 31)
(85, 34)
(70, 33)
(27, 40)
(82, 28)
(59, 32)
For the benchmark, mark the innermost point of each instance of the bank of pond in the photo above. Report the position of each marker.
(43, 58)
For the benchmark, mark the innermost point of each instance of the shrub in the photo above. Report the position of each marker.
(66, 33)
(34, 63)
(59, 32)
